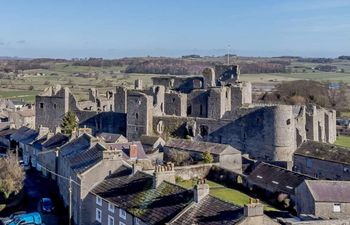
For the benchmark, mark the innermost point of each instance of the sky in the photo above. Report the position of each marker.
(125, 28)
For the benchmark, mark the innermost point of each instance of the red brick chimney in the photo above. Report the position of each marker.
(133, 151)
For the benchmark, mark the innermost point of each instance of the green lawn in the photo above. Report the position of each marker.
(343, 141)
(227, 194)
(28, 96)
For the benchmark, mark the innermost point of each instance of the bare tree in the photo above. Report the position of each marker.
(11, 176)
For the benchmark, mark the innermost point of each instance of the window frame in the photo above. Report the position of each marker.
(110, 217)
(98, 200)
(111, 207)
(122, 214)
(98, 219)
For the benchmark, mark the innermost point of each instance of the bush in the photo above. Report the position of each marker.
(207, 157)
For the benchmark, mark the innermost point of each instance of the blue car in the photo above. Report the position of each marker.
(46, 205)
(28, 218)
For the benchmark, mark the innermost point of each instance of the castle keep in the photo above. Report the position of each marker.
(215, 107)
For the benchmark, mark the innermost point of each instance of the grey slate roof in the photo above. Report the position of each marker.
(125, 147)
(135, 194)
(77, 145)
(324, 151)
(109, 137)
(149, 140)
(7, 133)
(276, 179)
(200, 146)
(211, 210)
(18, 135)
(56, 141)
(329, 191)
(85, 160)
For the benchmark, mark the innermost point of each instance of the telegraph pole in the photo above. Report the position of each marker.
(70, 200)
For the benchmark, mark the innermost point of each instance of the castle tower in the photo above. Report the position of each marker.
(139, 116)
(120, 99)
(279, 133)
(209, 77)
(241, 94)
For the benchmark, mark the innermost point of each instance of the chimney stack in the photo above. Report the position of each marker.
(201, 190)
(164, 173)
(254, 208)
(133, 151)
(111, 154)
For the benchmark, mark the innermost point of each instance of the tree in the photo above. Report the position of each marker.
(207, 157)
(11, 176)
(69, 123)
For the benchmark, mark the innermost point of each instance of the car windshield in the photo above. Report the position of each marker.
(47, 202)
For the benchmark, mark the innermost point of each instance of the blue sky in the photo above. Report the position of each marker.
(118, 28)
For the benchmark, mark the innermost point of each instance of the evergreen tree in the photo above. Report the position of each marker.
(69, 123)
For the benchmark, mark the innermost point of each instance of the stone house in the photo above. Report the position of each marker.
(153, 146)
(130, 197)
(87, 161)
(24, 138)
(324, 198)
(275, 183)
(5, 136)
(48, 156)
(227, 156)
(324, 161)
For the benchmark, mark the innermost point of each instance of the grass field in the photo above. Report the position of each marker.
(109, 77)
(227, 194)
(343, 141)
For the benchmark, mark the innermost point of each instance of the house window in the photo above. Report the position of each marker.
(110, 220)
(111, 207)
(122, 214)
(336, 207)
(308, 163)
(41, 105)
(98, 215)
(98, 201)
(54, 106)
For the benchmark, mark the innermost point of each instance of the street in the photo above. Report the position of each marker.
(36, 187)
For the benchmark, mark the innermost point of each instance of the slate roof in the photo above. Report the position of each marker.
(149, 140)
(25, 135)
(125, 147)
(276, 179)
(109, 137)
(200, 146)
(38, 143)
(324, 151)
(7, 133)
(85, 160)
(329, 191)
(211, 210)
(77, 145)
(135, 194)
(56, 141)
(18, 135)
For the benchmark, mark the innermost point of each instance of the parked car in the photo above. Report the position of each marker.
(46, 205)
(11, 217)
(28, 218)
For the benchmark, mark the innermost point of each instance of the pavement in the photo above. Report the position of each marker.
(36, 187)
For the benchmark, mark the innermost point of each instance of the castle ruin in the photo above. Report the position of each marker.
(215, 107)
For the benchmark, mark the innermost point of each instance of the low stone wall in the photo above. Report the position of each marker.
(321, 222)
(193, 171)
(226, 177)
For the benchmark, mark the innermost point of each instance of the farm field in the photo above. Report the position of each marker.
(30, 82)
